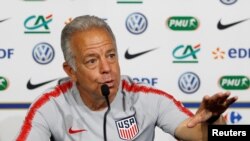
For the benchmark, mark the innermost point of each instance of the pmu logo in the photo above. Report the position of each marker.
(233, 117)
(37, 24)
(145, 80)
(186, 54)
(3, 83)
(189, 82)
(182, 23)
(43, 53)
(234, 82)
(6, 53)
(136, 23)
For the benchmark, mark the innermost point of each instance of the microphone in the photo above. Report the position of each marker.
(105, 93)
(105, 90)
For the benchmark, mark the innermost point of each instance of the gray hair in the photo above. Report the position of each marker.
(80, 23)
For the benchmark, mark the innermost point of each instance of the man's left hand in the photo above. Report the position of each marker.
(211, 106)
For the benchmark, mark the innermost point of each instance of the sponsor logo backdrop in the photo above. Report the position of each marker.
(187, 48)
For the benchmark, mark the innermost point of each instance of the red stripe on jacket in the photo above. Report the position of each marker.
(27, 125)
(137, 88)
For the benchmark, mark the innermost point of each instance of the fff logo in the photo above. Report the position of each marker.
(6, 53)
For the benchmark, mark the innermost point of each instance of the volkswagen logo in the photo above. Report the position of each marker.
(228, 2)
(136, 23)
(189, 82)
(43, 53)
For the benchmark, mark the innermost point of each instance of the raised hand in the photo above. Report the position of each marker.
(212, 106)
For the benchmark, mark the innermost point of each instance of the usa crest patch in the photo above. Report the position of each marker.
(127, 128)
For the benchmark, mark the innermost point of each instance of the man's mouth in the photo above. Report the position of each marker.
(110, 83)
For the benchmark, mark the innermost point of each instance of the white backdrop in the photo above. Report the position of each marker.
(17, 66)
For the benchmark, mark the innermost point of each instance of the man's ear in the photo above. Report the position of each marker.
(70, 71)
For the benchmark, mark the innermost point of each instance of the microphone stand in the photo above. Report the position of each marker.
(105, 93)
(105, 119)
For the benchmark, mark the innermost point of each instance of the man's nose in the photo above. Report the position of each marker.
(104, 66)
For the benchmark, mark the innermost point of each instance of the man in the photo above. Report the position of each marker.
(74, 110)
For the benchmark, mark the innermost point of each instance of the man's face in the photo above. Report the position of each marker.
(96, 62)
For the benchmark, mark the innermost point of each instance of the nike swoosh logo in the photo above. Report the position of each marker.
(4, 20)
(225, 26)
(32, 86)
(71, 131)
(132, 56)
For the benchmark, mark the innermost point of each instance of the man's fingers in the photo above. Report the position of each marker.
(217, 99)
(230, 101)
(218, 103)
(206, 99)
(211, 105)
(192, 122)
(222, 97)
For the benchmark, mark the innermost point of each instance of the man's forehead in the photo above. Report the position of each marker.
(92, 36)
